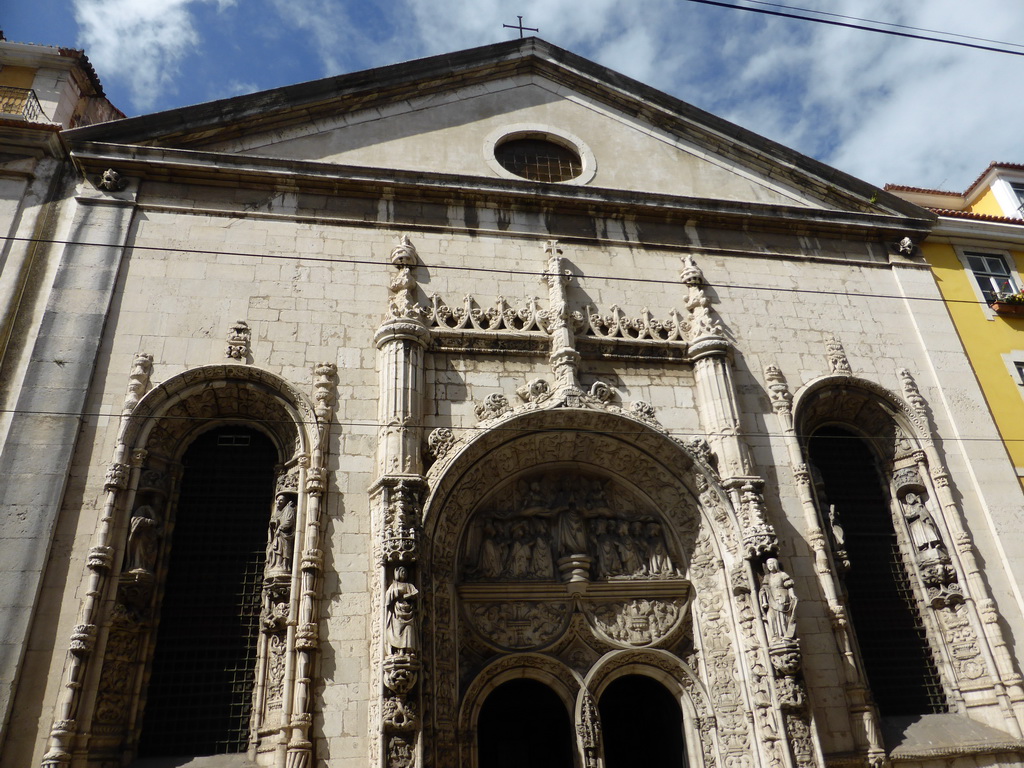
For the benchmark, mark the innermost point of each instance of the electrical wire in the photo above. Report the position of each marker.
(500, 271)
(474, 427)
(861, 27)
(887, 23)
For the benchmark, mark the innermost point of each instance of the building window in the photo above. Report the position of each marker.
(1019, 367)
(538, 159)
(884, 609)
(641, 724)
(991, 272)
(200, 695)
(524, 723)
(1018, 191)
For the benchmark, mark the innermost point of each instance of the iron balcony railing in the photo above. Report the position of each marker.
(20, 102)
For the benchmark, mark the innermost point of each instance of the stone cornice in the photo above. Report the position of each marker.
(222, 169)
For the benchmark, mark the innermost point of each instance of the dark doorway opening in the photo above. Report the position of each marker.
(523, 724)
(642, 725)
(199, 699)
(883, 607)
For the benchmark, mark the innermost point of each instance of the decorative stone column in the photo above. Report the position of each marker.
(396, 504)
(712, 372)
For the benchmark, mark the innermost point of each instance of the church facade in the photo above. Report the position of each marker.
(495, 408)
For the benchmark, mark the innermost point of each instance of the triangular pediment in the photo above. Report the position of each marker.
(446, 114)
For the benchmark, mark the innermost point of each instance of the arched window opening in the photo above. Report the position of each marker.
(200, 695)
(524, 723)
(641, 724)
(883, 608)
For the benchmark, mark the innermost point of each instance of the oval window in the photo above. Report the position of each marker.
(538, 159)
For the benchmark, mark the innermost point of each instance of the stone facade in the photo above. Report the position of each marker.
(523, 429)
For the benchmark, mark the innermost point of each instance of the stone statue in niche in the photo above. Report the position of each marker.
(281, 542)
(569, 526)
(400, 623)
(143, 540)
(778, 601)
(923, 533)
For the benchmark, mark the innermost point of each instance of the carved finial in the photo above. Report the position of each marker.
(239, 336)
(703, 322)
(691, 273)
(534, 391)
(138, 380)
(404, 254)
(564, 357)
(778, 389)
(111, 181)
(837, 356)
(323, 389)
(912, 394)
(439, 442)
(494, 405)
(402, 304)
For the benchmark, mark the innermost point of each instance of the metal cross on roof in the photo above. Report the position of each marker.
(520, 27)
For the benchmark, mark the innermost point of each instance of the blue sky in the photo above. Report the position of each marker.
(882, 108)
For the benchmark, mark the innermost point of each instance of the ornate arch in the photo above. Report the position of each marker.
(930, 530)
(858, 403)
(671, 478)
(113, 643)
(681, 680)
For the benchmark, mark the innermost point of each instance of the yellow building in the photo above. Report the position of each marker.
(976, 251)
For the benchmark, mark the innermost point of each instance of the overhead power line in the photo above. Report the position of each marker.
(496, 270)
(887, 23)
(863, 27)
(678, 433)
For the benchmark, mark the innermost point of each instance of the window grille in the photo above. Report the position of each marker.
(199, 700)
(538, 160)
(883, 606)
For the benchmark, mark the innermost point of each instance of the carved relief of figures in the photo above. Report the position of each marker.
(778, 601)
(281, 542)
(400, 624)
(557, 523)
(143, 540)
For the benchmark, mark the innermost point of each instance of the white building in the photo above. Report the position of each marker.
(463, 413)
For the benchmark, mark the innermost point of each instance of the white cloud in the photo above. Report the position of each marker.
(882, 108)
(139, 41)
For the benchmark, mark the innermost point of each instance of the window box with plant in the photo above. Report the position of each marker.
(1009, 303)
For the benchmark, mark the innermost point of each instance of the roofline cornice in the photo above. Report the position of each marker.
(281, 107)
(217, 169)
(998, 232)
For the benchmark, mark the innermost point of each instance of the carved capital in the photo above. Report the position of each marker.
(100, 558)
(83, 639)
(117, 477)
(307, 637)
(313, 560)
(315, 481)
